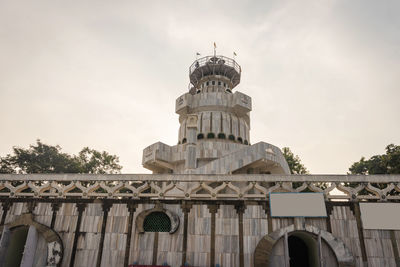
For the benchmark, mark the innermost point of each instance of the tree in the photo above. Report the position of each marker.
(294, 162)
(388, 163)
(42, 158)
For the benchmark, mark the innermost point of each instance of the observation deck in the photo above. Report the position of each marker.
(215, 65)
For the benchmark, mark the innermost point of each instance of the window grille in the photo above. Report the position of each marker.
(157, 222)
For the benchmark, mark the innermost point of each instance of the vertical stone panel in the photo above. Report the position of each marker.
(278, 223)
(199, 231)
(344, 227)
(226, 124)
(65, 225)
(115, 236)
(255, 226)
(216, 123)
(41, 252)
(170, 245)
(235, 126)
(43, 213)
(227, 236)
(180, 135)
(317, 222)
(396, 239)
(242, 129)
(206, 124)
(1, 209)
(379, 248)
(141, 244)
(28, 256)
(16, 209)
(88, 240)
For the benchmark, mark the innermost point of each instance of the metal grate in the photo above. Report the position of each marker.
(157, 222)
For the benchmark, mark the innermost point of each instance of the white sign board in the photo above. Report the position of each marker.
(385, 216)
(297, 205)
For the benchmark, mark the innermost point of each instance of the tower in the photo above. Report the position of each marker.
(214, 133)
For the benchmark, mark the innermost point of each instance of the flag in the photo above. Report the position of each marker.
(215, 45)
(234, 53)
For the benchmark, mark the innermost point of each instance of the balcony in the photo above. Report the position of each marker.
(215, 65)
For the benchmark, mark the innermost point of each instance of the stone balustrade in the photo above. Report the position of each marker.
(198, 187)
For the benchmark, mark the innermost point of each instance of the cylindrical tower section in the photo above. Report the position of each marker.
(221, 114)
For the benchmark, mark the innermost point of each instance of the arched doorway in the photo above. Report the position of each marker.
(305, 246)
(29, 243)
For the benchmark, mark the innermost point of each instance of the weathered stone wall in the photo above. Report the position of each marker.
(255, 225)
(227, 236)
(142, 244)
(42, 213)
(115, 236)
(344, 226)
(169, 248)
(379, 248)
(89, 238)
(65, 225)
(199, 234)
(110, 236)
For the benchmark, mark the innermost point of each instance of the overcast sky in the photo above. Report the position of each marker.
(324, 76)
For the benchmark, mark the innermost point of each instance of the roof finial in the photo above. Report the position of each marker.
(215, 49)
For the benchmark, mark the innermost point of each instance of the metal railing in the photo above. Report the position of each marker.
(214, 60)
(205, 187)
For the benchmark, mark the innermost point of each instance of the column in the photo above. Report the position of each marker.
(213, 208)
(30, 247)
(186, 209)
(240, 208)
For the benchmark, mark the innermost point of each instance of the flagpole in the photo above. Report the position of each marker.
(215, 48)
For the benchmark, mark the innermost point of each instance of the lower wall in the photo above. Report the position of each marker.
(99, 244)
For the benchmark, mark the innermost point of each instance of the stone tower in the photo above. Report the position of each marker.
(214, 133)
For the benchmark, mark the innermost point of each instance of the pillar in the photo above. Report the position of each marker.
(30, 247)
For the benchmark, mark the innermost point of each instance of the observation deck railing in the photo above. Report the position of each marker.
(203, 187)
(215, 60)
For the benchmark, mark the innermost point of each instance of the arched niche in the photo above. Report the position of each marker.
(35, 231)
(174, 218)
(264, 251)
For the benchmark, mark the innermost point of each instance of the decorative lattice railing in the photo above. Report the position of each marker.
(180, 186)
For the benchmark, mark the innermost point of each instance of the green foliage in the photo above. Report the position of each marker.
(42, 158)
(388, 163)
(93, 161)
(294, 162)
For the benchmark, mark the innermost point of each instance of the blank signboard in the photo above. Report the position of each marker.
(385, 216)
(297, 205)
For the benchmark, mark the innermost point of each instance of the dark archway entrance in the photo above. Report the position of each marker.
(298, 252)
(16, 246)
(323, 248)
